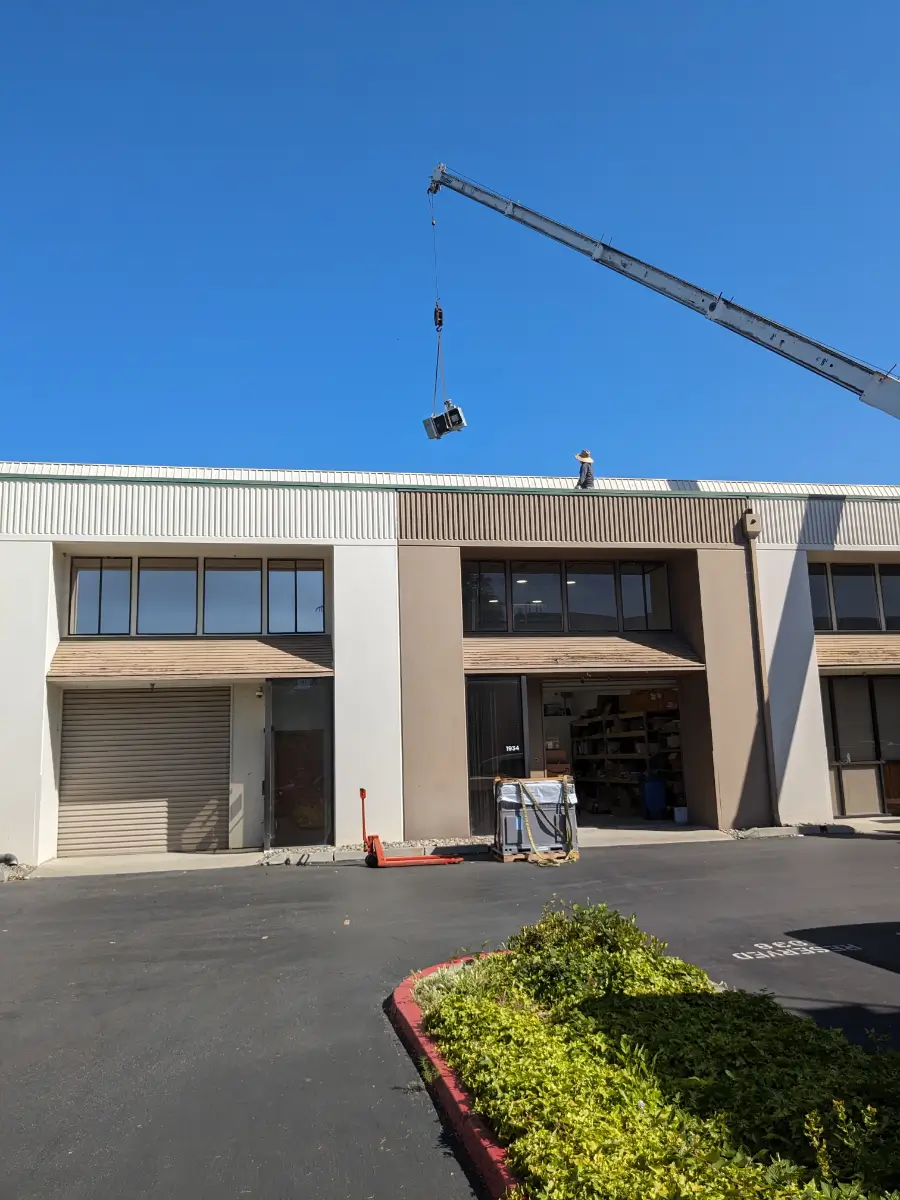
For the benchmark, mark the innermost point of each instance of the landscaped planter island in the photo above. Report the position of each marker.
(587, 1063)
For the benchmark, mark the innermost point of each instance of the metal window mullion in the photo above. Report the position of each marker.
(296, 617)
(507, 578)
(264, 596)
(879, 597)
(199, 596)
(100, 598)
(617, 587)
(564, 583)
(133, 596)
(831, 605)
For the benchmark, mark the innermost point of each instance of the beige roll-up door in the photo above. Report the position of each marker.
(144, 770)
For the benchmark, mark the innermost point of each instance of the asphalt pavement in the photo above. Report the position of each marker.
(220, 1034)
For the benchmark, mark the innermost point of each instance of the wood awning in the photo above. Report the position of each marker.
(528, 655)
(187, 659)
(849, 652)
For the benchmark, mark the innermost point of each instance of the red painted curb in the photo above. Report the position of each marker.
(486, 1157)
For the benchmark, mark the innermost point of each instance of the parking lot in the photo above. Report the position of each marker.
(221, 1033)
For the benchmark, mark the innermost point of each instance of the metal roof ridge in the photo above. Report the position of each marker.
(410, 480)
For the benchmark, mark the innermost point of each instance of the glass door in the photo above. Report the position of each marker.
(496, 737)
(299, 757)
(852, 734)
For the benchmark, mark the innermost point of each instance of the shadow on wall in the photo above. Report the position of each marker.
(200, 828)
(793, 644)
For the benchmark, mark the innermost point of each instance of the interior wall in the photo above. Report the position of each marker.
(435, 766)
(697, 751)
(736, 729)
(684, 599)
(536, 730)
(245, 807)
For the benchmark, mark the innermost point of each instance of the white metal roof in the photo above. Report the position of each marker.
(390, 479)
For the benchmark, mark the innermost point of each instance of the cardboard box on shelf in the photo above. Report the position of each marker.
(656, 701)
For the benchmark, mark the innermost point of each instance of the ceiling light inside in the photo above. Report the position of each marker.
(521, 581)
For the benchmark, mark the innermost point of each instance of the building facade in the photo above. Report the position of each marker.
(202, 659)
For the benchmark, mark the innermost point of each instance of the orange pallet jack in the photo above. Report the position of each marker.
(376, 857)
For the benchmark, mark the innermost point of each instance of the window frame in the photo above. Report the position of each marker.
(172, 558)
(260, 566)
(565, 565)
(312, 562)
(73, 576)
(507, 595)
(877, 568)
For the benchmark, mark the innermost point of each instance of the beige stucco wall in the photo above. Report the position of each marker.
(245, 801)
(435, 770)
(736, 729)
(367, 729)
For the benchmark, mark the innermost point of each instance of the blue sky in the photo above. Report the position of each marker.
(218, 251)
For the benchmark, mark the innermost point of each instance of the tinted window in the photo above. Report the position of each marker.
(101, 596)
(232, 595)
(853, 716)
(632, 584)
(537, 597)
(818, 593)
(167, 595)
(855, 599)
(890, 595)
(484, 597)
(887, 710)
(296, 596)
(591, 597)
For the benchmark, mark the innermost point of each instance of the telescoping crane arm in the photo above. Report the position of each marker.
(873, 387)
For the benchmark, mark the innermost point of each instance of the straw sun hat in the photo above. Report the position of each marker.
(584, 456)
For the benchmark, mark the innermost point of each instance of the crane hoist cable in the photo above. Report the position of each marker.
(439, 372)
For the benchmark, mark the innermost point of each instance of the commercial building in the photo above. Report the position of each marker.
(204, 659)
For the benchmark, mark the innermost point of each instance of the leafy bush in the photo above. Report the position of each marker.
(609, 1069)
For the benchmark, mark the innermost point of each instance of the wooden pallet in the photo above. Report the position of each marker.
(526, 855)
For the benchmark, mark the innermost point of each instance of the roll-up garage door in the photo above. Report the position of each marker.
(144, 770)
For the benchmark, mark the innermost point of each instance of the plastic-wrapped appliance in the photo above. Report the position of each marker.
(535, 816)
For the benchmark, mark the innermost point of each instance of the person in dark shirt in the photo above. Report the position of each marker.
(586, 474)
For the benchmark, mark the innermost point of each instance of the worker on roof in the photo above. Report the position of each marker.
(586, 473)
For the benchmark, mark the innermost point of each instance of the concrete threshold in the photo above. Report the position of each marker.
(138, 864)
(591, 837)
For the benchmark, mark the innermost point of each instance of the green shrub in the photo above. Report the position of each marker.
(609, 1069)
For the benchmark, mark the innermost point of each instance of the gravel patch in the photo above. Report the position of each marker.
(15, 874)
(301, 856)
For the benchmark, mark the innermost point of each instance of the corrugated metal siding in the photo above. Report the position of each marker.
(553, 655)
(832, 523)
(419, 479)
(144, 771)
(519, 520)
(858, 651)
(34, 508)
(192, 658)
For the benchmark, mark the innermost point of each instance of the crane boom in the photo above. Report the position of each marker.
(873, 387)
